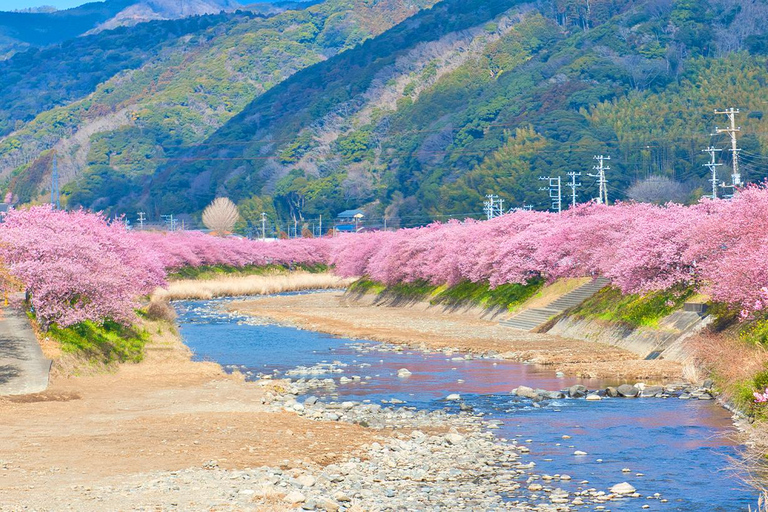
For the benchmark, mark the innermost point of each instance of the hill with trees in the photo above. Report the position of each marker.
(420, 120)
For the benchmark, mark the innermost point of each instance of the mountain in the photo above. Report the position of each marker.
(473, 98)
(127, 98)
(413, 112)
(20, 30)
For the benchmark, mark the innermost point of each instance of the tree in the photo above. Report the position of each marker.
(221, 216)
(658, 190)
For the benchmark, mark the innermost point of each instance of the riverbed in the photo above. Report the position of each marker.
(678, 449)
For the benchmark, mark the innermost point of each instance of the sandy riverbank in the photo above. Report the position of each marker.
(60, 449)
(432, 327)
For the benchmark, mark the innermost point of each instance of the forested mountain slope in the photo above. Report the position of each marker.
(475, 97)
(418, 122)
(162, 85)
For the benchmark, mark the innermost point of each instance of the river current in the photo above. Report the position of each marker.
(677, 448)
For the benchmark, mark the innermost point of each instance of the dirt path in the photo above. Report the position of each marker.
(431, 327)
(164, 414)
(23, 368)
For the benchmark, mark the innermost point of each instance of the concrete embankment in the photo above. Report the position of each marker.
(667, 341)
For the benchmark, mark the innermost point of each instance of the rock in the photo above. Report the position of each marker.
(341, 497)
(328, 505)
(535, 487)
(295, 497)
(612, 392)
(622, 488)
(554, 395)
(453, 397)
(577, 391)
(579, 452)
(453, 438)
(652, 391)
(628, 391)
(310, 400)
(403, 372)
(709, 384)
(525, 392)
(559, 375)
(306, 480)
(593, 396)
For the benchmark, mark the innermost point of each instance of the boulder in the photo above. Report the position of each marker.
(622, 488)
(453, 397)
(403, 372)
(594, 396)
(611, 392)
(628, 391)
(525, 392)
(554, 395)
(577, 391)
(652, 391)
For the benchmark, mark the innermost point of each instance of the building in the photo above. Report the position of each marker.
(349, 221)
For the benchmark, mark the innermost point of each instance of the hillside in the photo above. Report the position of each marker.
(414, 122)
(424, 123)
(131, 94)
(42, 27)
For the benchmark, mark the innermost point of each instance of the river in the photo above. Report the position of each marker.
(677, 448)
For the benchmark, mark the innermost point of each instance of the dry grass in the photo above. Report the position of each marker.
(249, 285)
(728, 358)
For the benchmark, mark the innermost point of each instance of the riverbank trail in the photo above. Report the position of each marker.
(23, 367)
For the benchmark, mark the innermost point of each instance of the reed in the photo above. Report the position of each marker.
(249, 285)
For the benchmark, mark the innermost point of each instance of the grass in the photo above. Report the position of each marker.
(205, 272)
(239, 285)
(611, 305)
(103, 343)
(506, 296)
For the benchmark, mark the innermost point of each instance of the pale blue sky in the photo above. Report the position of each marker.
(10, 5)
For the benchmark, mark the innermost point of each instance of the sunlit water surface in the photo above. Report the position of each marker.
(681, 447)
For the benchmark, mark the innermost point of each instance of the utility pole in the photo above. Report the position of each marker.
(732, 131)
(321, 226)
(170, 222)
(263, 226)
(55, 190)
(493, 207)
(141, 220)
(573, 184)
(555, 192)
(713, 165)
(602, 196)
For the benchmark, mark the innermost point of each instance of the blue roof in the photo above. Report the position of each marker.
(350, 214)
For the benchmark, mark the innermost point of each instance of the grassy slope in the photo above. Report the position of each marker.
(507, 296)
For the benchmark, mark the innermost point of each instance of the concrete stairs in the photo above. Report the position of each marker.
(532, 318)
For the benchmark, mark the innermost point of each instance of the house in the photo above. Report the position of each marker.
(349, 221)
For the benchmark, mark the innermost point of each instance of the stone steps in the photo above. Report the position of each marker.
(531, 318)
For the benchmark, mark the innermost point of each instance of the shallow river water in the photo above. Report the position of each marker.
(678, 448)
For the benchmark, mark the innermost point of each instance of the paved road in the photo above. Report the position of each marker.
(23, 368)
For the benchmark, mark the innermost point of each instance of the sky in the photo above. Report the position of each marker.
(10, 5)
